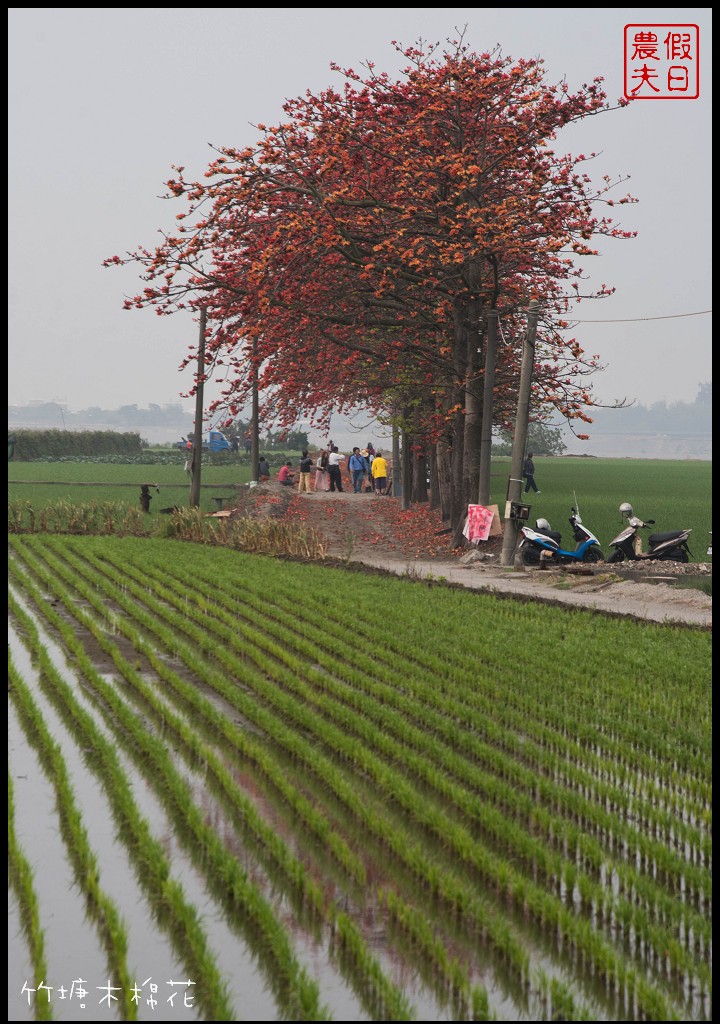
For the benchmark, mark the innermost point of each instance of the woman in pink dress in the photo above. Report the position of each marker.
(322, 476)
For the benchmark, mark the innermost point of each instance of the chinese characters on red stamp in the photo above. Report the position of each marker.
(662, 62)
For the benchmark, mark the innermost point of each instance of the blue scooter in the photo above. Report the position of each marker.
(541, 546)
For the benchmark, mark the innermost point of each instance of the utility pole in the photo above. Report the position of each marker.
(197, 437)
(255, 420)
(520, 435)
(397, 471)
(405, 470)
(487, 413)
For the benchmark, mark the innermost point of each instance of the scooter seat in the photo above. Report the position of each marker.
(660, 538)
(551, 535)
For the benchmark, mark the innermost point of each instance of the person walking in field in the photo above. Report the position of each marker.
(529, 474)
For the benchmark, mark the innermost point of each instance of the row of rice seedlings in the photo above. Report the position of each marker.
(440, 638)
(456, 837)
(559, 1002)
(508, 837)
(173, 912)
(20, 878)
(592, 894)
(690, 932)
(556, 831)
(90, 518)
(449, 651)
(299, 993)
(540, 904)
(357, 754)
(100, 908)
(455, 895)
(591, 816)
(391, 652)
(452, 978)
(253, 752)
(372, 985)
(159, 665)
(384, 999)
(388, 1002)
(501, 794)
(231, 640)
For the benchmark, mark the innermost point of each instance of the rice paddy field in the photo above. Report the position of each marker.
(242, 788)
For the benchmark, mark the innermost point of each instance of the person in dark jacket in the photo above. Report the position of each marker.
(529, 474)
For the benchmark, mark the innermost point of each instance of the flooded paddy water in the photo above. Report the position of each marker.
(284, 836)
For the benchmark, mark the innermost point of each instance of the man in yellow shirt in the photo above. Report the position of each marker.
(379, 472)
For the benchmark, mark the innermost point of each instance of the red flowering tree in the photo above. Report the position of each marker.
(352, 256)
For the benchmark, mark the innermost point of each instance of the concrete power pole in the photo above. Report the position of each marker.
(520, 436)
(197, 437)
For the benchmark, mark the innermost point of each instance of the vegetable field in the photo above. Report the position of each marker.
(285, 791)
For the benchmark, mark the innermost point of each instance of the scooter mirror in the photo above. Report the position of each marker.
(650, 522)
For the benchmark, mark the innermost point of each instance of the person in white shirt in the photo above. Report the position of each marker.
(334, 460)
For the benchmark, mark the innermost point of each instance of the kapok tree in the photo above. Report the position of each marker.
(352, 256)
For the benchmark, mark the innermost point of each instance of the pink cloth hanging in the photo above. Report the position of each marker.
(478, 523)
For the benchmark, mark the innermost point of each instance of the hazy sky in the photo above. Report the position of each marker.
(102, 101)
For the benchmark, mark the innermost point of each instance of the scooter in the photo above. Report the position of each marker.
(670, 547)
(542, 545)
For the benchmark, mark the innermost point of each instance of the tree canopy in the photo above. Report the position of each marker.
(351, 256)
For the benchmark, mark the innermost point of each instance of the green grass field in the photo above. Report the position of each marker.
(43, 483)
(676, 494)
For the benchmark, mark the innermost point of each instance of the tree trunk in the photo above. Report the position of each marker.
(420, 467)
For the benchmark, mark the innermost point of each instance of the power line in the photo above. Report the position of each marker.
(636, 319)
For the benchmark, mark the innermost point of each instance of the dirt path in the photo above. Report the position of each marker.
(373, 531)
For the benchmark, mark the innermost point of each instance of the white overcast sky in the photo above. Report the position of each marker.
(102, 101)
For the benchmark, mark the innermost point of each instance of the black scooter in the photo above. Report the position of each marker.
(670, 547)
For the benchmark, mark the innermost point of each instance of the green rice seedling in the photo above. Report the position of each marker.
(387, 1002)
(20, 878)
(153, 870)
(101, 908)
(299, 993)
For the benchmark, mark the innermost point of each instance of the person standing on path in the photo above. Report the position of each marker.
(379, 472)
(322, 473)
(334, 460)
(358, 468)
(529, 474)
(304, 468)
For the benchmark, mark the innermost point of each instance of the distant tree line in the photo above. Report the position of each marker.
(33, 445)
(56, 415)
(658, 418)
(277, 440)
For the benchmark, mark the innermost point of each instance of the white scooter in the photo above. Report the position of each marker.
(670, 547)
